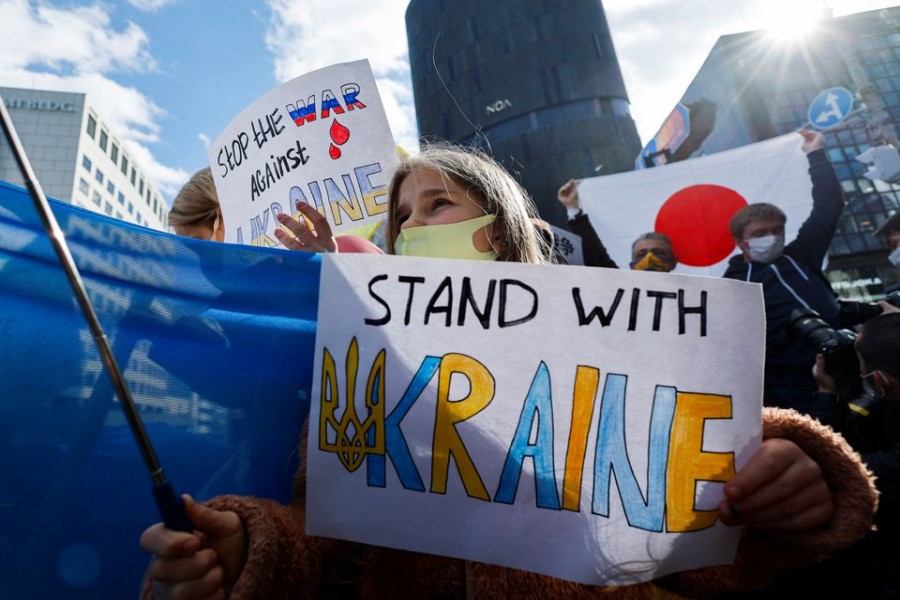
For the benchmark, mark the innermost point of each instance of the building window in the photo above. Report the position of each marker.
(110, 187)
(83, 186)
(121, 198)
(86, 163)
(133, 175)
(107, 208)
(96, 198)
(141, 187)
(118, 215)
(98, 175)
(124, 165)
(155, 209)
(114, 153)
(103, 140)
(91, 126)
(130, 208)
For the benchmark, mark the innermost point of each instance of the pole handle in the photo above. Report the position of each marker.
(171, 507)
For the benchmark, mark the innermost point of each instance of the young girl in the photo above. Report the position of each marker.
(803, 495)
(471, 206)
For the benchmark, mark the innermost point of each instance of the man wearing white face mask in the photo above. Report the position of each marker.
(791, 275)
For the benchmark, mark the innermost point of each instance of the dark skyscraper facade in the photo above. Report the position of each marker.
(536, 83)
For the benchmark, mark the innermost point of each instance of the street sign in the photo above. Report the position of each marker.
(830, 108)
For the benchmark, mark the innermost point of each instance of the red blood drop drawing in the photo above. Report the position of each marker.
(339, 133)
(334, 152)
(696, 220)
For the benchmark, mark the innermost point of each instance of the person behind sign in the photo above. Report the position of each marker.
(195, 211)
(196, 214)
(651, 251)
(801, 496)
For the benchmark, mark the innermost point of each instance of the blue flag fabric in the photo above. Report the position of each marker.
(216, 343)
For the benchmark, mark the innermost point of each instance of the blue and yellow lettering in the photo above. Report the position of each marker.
(537, 411)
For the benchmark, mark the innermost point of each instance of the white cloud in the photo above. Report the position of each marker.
(78, 51)
(37, 35)
(150, 5)
(661, 47)
(303, 37)
(204, 139)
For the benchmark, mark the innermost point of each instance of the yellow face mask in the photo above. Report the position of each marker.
(651, 262)
(453, 240)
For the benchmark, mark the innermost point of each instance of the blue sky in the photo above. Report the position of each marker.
(170, 74)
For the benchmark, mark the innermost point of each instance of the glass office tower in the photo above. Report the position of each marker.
(534, 82)
(754, 86)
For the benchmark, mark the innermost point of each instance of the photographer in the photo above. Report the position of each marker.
(871, 422)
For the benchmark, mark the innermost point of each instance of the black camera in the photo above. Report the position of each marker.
(836, 345)
(852, 313)
(893, 298)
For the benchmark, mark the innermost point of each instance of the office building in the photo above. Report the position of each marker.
(78, 158)
(754, 86)
(535, 83)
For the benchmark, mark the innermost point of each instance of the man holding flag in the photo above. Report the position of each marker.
(651, 251)
(791, 275)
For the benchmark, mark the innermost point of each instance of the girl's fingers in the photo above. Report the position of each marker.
(318, 220)
(209, 586)
(176, 570)
(166, 543)
(317, 238)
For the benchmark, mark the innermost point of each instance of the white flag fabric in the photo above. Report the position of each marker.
(691, 201)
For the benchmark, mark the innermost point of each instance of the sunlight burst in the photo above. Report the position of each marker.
(791, 22)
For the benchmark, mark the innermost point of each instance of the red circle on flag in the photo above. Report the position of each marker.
(696, 220)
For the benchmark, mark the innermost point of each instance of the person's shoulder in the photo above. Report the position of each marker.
(736, 267)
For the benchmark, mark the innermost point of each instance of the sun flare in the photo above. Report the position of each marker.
(792, 21)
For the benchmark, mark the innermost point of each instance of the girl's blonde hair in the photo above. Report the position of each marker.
(197, 202)
(488, 184)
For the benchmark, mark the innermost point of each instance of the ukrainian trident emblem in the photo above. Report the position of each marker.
(342, 431)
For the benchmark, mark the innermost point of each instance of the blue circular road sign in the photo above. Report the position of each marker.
(830, 108)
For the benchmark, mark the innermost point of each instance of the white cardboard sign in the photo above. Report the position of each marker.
(571, 421)
(322, 138)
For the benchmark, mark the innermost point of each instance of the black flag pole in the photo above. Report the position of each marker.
(170, 505)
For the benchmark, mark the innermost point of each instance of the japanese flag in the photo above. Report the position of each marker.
(691, 201)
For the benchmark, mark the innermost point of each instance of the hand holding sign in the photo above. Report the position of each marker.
(317, 238)
(781, 488)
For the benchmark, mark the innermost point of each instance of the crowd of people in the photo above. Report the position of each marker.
(804, 495)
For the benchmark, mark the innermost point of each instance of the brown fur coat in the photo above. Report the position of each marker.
(283, 562)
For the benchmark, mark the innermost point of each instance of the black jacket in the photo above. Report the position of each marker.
(593, 250)
(796, 280)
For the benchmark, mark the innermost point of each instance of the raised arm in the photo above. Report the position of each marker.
(595, 253)
(816, 233)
